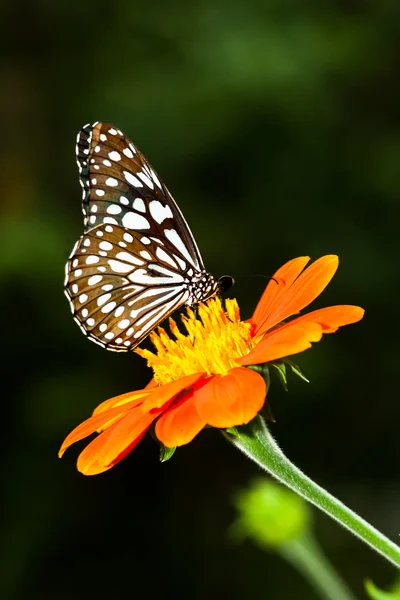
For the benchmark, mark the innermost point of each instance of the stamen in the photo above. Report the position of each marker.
(212, 343)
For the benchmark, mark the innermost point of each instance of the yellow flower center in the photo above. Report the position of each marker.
(212, 343)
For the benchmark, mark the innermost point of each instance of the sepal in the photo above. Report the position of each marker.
(166, 453)
(296, 369)
(281, 372)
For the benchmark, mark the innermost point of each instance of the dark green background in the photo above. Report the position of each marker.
(275, 124)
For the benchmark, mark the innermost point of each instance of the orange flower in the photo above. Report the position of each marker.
(202, 378)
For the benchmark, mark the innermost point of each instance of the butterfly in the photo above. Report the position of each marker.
(137, 261)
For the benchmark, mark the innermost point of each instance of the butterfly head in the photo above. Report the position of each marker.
(224, 283)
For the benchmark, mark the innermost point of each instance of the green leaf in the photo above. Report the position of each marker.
(376, 594)
(166, 453)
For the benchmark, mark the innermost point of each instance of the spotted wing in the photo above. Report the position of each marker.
(121, 188)
(121, 284)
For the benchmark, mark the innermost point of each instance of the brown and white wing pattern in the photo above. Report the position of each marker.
(137, 261)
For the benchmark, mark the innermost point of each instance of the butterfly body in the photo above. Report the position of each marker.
(137, 261)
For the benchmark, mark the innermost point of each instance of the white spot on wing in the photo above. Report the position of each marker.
(128, 152)
(159, 212)
(181, 262)
(146, 180)
(92, 260)
(176, 240)
(111, 181)
(119, 267)
(105, 246)
(124, 323)
(155, 179)
(132, 179)
(114, 209)
(133, 221)
(94, 279)
(139, 205)
(103, 299)
(114, 155)
(128, 237)
(130, 258)
(162, 255)
(108, 307)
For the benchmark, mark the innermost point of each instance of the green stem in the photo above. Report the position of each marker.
(306, 556)
(257, 443)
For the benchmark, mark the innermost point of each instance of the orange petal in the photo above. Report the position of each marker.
(164, 393)
(180, 423)
(110, 447)
(232, 399)
(279, 285)
(300, 292)
(283, 341)
(96, 422)
(332, 317)
(120, 400)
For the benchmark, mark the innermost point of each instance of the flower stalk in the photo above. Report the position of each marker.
(256, 442)
(307, 557)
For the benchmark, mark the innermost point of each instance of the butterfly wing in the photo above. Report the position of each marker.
(137, 261)
(121, 284)
(120, 187)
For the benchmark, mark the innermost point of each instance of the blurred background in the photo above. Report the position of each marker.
(275, 125)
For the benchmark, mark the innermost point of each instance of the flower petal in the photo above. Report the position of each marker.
(283, 341)
(164, 393)
(180, 423)
(298, 293)
(96, 422)
(279, 285)
(120, 400)
(333, 317)
(232, 399)
(110, 447)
